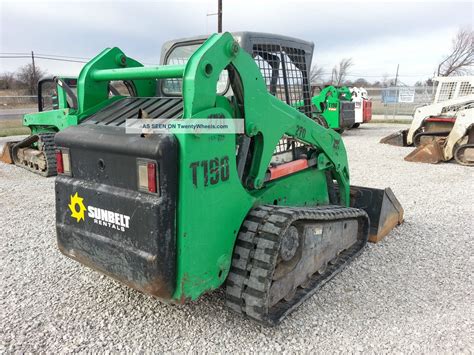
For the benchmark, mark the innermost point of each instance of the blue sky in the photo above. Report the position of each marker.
(377, 35)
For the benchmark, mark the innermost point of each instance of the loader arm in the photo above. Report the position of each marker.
(262, 110)
(266, 118)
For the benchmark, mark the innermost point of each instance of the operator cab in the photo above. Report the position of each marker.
(284, 63)
(49, 96)
(53, 90)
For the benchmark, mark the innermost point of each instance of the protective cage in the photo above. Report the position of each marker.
(284, 63)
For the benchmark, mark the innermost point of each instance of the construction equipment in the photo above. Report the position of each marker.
(433, 123)
(266, 211)
(362, 106)
(433, 147)
(336, 106)
(57, 109)
(56, 96)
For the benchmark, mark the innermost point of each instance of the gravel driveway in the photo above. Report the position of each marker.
(412, 292)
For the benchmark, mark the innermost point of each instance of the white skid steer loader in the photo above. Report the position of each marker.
(443, 129)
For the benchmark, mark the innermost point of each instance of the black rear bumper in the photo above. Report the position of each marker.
(347, 114)
(117, 229)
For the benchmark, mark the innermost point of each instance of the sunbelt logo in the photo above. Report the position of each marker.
(100, 216)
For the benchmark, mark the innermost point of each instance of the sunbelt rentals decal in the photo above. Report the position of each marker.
(100, 216)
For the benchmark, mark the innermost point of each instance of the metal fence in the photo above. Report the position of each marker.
(423, 95)
(18, 100)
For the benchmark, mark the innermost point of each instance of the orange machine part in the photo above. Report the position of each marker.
(288, 168)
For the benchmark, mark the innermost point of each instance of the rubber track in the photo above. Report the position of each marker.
(46, 142)
(458, 158)
(256, 255)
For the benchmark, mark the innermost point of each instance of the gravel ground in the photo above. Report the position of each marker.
(412, 292)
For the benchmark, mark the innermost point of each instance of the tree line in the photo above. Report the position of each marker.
(25, 78)
(460, 61)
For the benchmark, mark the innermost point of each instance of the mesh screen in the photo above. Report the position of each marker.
(466, 89)
(286, 76)
(285, 73)
(446, 91)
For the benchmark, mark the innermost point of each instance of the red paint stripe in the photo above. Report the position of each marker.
(441, 119)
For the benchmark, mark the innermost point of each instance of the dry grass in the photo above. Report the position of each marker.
(12, 128)
(14, 131)
(16, 92)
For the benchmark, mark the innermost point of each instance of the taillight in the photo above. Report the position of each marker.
(151, 167)
(59, 162)
(63, 162)
(147, 176)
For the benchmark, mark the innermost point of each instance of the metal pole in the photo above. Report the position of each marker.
(34, 79)
(137, 73)
(396, 75)
(33, 63)
(219, 16)
(395, 107)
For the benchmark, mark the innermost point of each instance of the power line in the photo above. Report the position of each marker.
(61, 60)
(43, 57)
(62, 56)
(7, 53)
(73, 59)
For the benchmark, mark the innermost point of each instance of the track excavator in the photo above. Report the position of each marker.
(444, 129)
(267, 211)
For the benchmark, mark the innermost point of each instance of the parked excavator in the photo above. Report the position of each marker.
(443, 129)
(268, 211)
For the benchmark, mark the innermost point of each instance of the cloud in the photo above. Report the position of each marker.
(378, 35)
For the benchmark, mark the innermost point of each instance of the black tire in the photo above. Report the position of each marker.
(356, 125)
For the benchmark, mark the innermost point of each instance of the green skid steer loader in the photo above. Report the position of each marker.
(333, 108)
(335, 105)
(269, 212)
(56, 97)
(57, 109)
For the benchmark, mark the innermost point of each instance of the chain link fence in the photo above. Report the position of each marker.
(422, 95)
(18, 101)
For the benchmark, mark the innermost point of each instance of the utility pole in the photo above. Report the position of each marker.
(396, 75)
(395, 107)
(33, 63)
(33, 79)
(219, 16)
